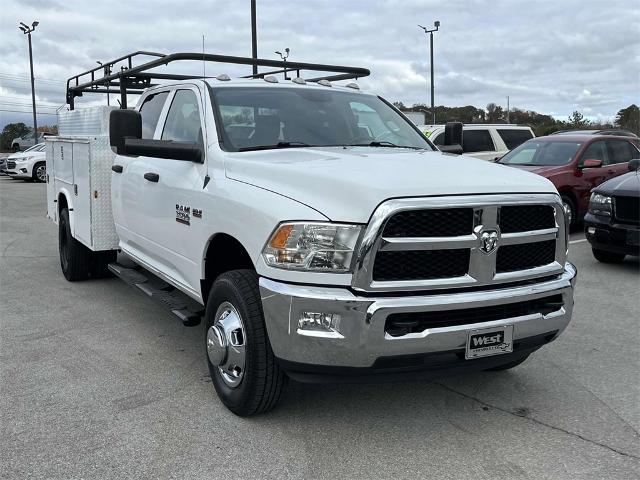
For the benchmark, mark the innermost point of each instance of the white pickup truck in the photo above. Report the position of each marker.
(325, 236)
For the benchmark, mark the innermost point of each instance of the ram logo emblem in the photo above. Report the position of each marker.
(489, 241)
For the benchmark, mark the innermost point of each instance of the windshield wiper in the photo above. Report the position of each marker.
(382, 144)
(277, 145)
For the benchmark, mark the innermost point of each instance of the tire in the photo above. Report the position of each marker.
(39, 172)
(256, 386)
(607, 257)
(507, 366)
(570, 205)
(76, 260)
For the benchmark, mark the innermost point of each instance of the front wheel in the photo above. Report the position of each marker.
(607, 257)
(243, 369)
(571, 212)
(39, 173)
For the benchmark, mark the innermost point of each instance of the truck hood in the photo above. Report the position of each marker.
(348, 183)
(627, 185)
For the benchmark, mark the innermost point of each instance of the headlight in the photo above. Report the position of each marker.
(600, 204)
(319, 247)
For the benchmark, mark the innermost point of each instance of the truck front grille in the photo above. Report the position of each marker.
(627, 209)
(449, 242)
(446, 222)
(522, 218)
(511, 258)
(398, 324)
(421, 264)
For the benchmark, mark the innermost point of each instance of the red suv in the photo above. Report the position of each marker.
(575, 163)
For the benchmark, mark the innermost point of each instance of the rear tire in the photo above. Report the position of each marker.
(607, 257)
(253, 382)
(76, 260)
(39, 173)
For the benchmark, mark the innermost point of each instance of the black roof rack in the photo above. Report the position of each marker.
(133, 79)
(618, 132)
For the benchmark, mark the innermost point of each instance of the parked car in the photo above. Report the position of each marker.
(575, 164)
(483, 141)
(612, 223)
(28, 165)
(23, 143)
(3, 166)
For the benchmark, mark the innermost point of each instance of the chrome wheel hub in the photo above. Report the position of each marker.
(41, 173)
(568, 212)
(226, 341)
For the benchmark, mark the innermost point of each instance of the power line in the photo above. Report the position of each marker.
(21, 111)
(21, 78)
(22, 104)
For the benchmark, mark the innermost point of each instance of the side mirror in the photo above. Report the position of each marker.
(123, 124)
(456, 149)
(188, 151)
(592, 163)
(634, 165)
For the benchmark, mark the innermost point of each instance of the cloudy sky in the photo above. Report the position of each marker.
(553, 57)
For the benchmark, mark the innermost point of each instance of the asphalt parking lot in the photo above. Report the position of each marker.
(97, 381)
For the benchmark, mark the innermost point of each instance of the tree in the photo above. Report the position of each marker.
(629, 119)
(577, 120)
(494, 113)
(11, 131)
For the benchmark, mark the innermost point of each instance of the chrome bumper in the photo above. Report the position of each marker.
(362, 338)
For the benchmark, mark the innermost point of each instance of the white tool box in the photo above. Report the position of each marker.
(80, 166)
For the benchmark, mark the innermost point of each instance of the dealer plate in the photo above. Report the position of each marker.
(485, 342)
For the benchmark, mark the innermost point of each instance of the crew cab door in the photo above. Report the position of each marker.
(162, 194)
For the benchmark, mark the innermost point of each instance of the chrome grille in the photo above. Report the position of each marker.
(410, 244)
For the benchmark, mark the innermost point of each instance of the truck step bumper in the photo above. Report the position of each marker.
(362, 337)
(175, 301)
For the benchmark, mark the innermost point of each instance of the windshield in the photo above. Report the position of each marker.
(550, 153)
(255, 118)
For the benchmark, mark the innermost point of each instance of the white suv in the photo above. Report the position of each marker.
(28, 165)
(483, 141)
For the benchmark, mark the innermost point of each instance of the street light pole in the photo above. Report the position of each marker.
(27, 31)
(254, 36)
(436, 24)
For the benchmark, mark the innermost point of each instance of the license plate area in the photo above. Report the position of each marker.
(485, 342)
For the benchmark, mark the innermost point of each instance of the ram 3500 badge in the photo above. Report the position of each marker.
(337, 242)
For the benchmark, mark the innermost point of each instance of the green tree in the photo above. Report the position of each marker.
(629, 119)
(11, 131)
(577, 120)
(494, 113)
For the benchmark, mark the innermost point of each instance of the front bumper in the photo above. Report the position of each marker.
(362, 342)
(611, 237)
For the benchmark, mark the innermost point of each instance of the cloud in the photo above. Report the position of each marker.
(552, 57)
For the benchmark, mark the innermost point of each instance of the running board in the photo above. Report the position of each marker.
(173, 299)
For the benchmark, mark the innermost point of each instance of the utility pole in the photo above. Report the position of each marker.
(107, 72)
(254, 36)
(27, 31)
(436, 24)
(508, 109)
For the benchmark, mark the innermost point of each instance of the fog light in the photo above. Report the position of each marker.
(591, 230)
(23, 170)
(320, 323)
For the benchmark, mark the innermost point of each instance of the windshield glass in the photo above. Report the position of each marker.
(548, 153)
(255, 118)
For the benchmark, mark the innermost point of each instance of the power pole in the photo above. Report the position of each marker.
(508, 109)
(27, 31)
(254, 36)
(436, 24)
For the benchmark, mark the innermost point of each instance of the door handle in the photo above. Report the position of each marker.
(152, 177)
(116, 168)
